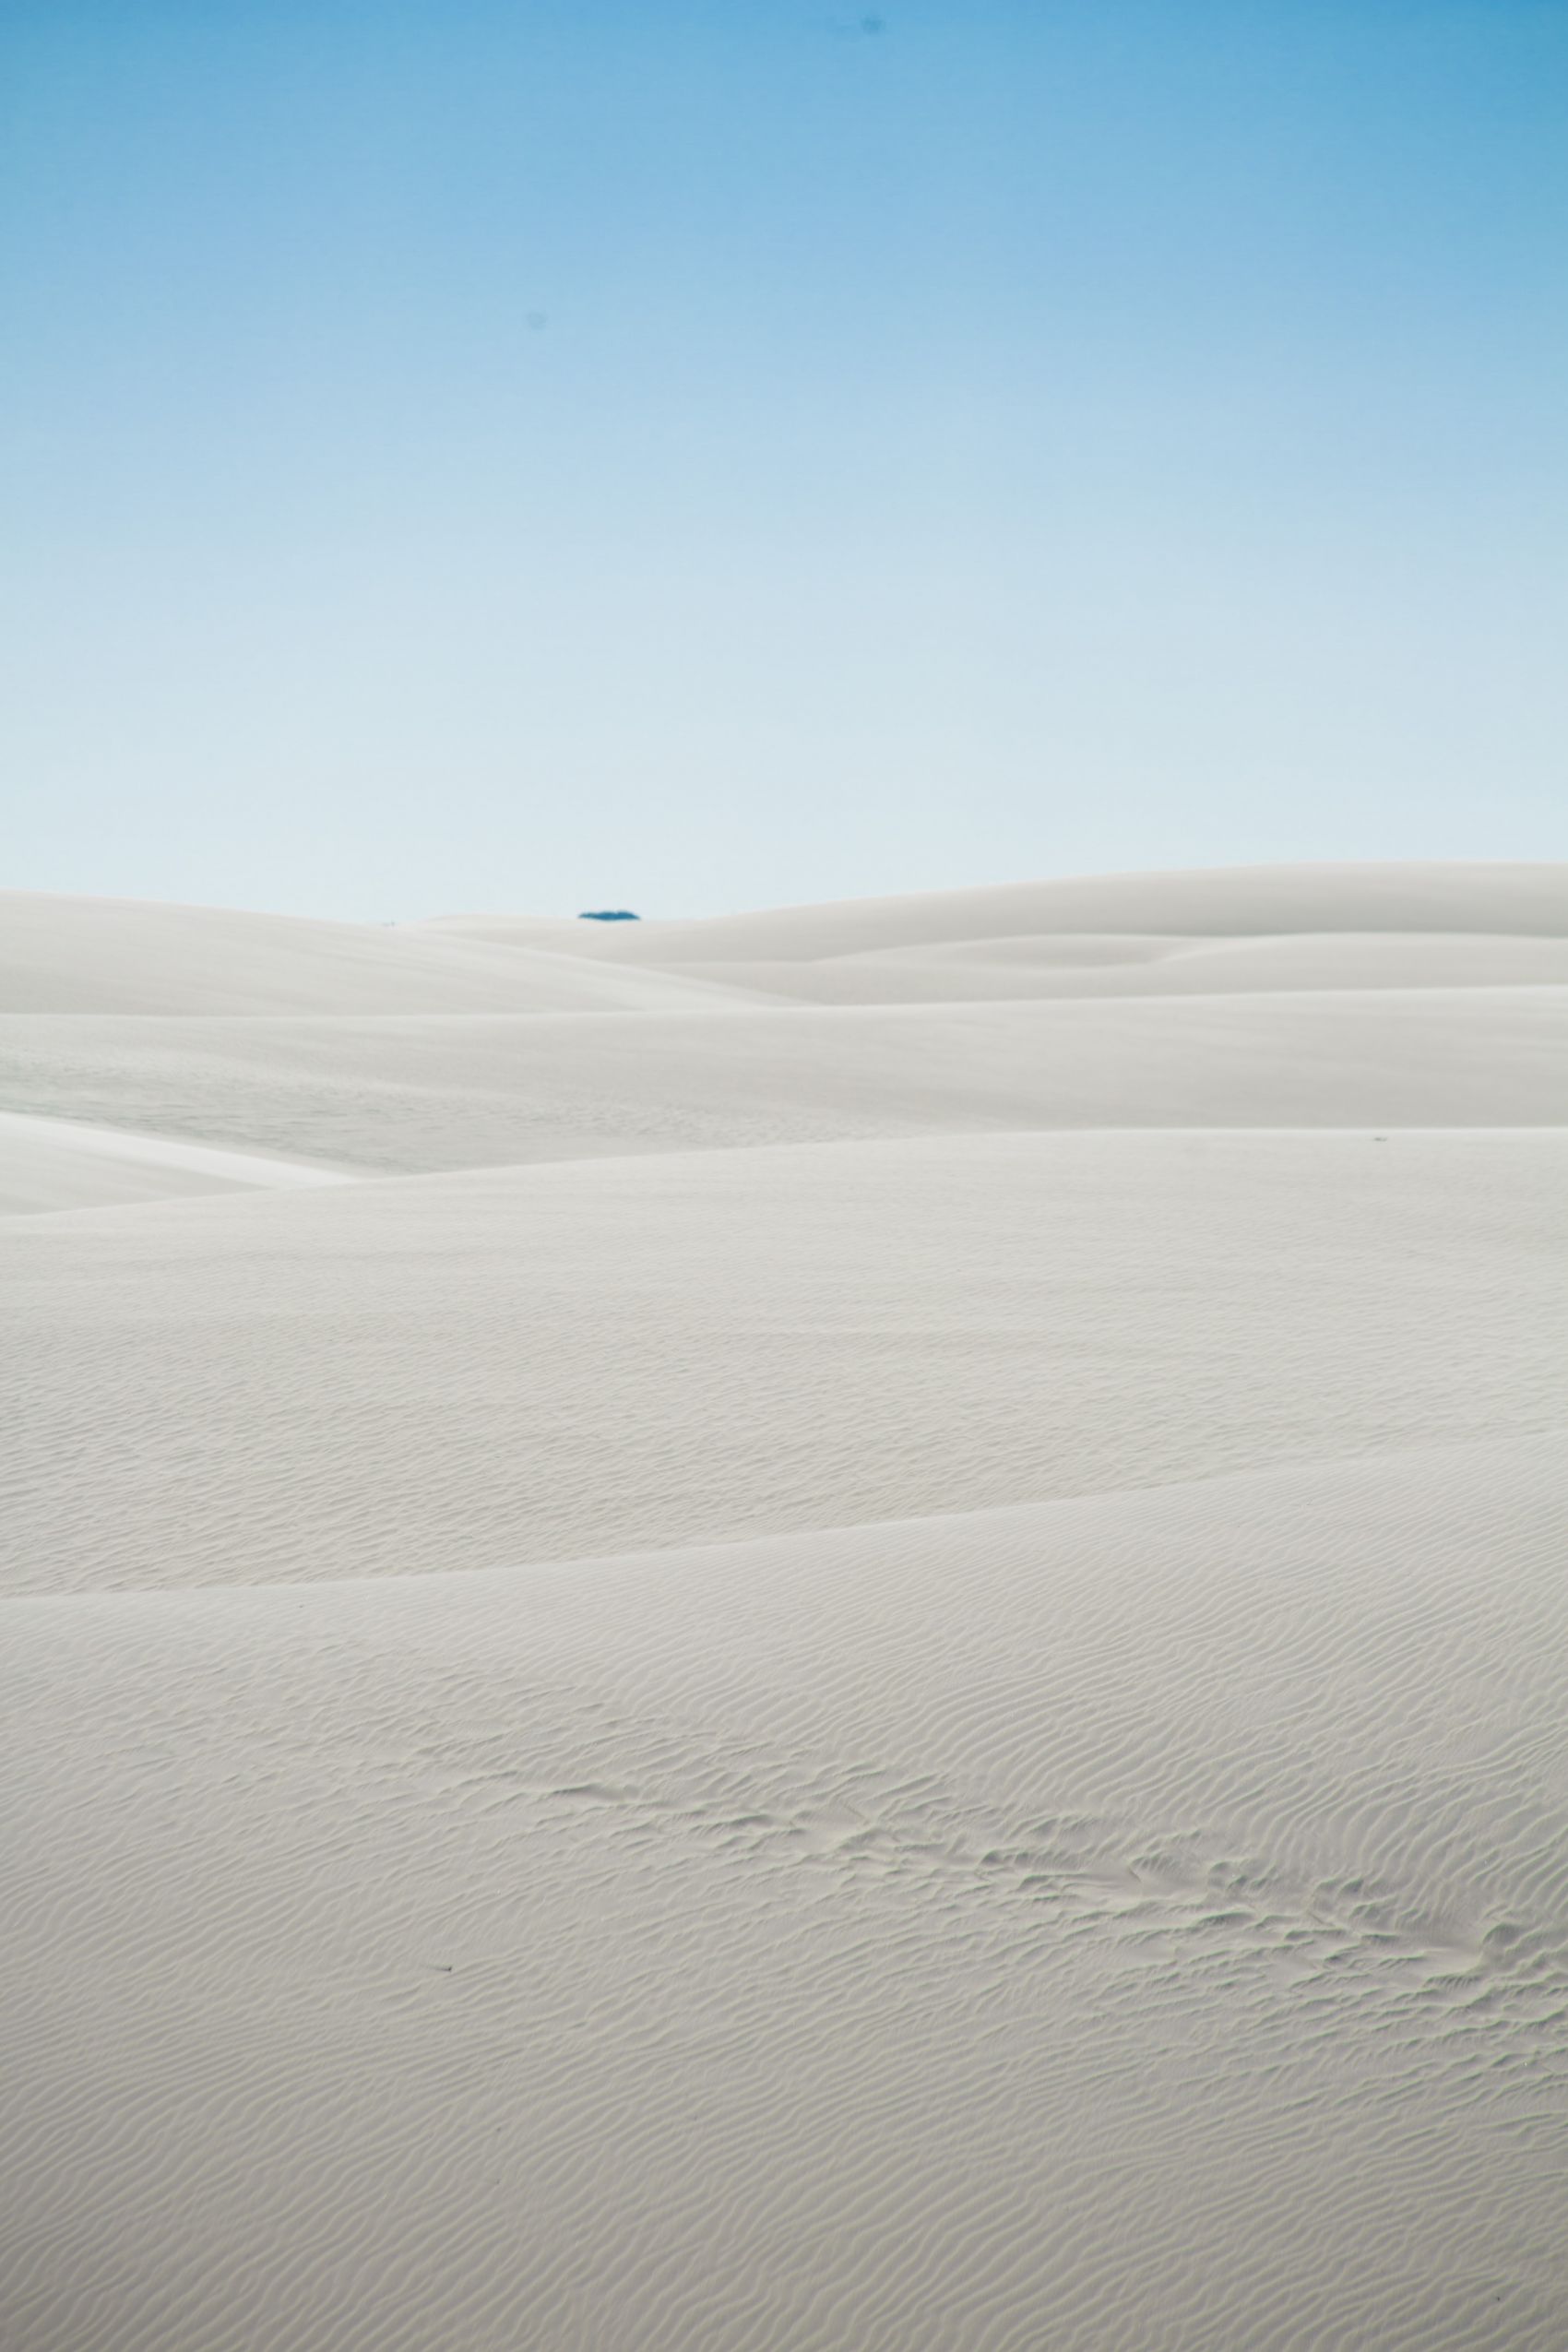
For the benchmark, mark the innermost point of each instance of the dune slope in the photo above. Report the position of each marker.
(1108, 963)
(397, 1095)
(841, 1629)
(458, 1372)
(1520, 901)
(62, 954)
(50, 1164)
(1068, 1925)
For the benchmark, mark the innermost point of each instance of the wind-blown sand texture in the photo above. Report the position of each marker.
(840, 1630)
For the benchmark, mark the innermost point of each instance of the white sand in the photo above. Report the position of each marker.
(1238, 902)
(463, 1371)
(1051, 1828)
(403, 1094)
(47, 1164)
(123, 955)
(965, 971)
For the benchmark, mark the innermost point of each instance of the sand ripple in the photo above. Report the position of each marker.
(1057, 1925)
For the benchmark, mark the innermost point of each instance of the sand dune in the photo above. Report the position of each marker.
(1125, 1922)
(1529, 901)
(1259, 999)
(1103, 964)
(50, 1164)
(456, 1372)
(839, 1629)
(403, 1095)
(130, 955)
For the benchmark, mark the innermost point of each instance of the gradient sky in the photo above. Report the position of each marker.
(561, 453)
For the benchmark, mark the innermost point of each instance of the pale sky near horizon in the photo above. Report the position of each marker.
(559, 453)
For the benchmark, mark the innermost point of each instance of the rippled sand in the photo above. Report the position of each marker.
(841, 1661)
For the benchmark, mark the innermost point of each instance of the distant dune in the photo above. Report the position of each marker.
(1231, 902)
(1243, 998)
(837, 1629)
(123, 955)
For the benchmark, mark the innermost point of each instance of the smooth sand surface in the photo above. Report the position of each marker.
(49, 1164)
(827, 1670)
(406, 1094)
(1238, 902)
(1102, 964)
(120, 956)
(461, 1371)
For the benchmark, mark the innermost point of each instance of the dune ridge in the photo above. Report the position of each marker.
(120, 956)
(1505, 900)
(51, 1164)
(838, 1629)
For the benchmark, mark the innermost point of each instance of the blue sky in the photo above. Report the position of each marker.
(696, 457)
